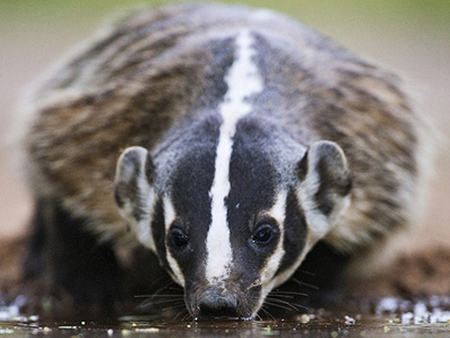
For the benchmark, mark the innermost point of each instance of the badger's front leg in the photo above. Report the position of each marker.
(73, 257)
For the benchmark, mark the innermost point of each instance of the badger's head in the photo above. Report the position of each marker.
(231, 218)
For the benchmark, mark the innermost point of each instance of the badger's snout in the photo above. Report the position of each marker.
(216, 302)
(229, 300)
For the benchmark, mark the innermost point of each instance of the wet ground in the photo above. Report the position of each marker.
(389, 317)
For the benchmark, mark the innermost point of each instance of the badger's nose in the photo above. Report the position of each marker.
(216, 303)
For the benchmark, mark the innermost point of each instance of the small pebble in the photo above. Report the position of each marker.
(406, 317)
(305, 319)
(349, 320)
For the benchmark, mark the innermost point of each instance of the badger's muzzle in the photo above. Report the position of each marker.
(216, 302)
(223, 301)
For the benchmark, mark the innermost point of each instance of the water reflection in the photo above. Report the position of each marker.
(386, 321)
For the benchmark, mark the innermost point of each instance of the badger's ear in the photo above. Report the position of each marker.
(134, 192)
(325, 184)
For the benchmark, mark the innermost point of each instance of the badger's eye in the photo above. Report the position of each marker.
(178, 238)
(263, 234)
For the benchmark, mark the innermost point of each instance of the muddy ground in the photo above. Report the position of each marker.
(412, 38)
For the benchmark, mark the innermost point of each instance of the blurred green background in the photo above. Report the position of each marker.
(411, 37)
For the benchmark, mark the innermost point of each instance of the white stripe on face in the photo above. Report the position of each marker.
(169, 217)
(243, 80)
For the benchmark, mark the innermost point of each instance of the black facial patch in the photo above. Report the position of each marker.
(253, 180)
(295, 231)
(190, 186)
(159, 235)
(193, 177)
(252, 176)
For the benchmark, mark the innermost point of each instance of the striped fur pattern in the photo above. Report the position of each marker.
(246, 139)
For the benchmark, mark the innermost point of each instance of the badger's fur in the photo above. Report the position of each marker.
(233, 141)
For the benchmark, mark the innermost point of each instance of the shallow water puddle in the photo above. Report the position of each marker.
(383, 326)
(389, 317)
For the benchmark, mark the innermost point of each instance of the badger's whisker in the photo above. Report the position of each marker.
(186, 316)
(308, 273)
(156, 296)
(163, 280)
(300, 283)
(183, 313)
(297, 306)
(174, 307)
(177, 288)
(159, 302)
(282, 302)
(275, 304)
(284, 296)
(267, 313)
(158, 293)
(258, 317)
(291, 293)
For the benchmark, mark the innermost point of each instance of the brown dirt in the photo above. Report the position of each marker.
(412, 275)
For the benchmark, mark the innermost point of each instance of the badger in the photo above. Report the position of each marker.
(235, 144)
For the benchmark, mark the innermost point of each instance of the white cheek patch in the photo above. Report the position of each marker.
(282, 277)
(169, 217)
(278, 212)
(243, 81)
